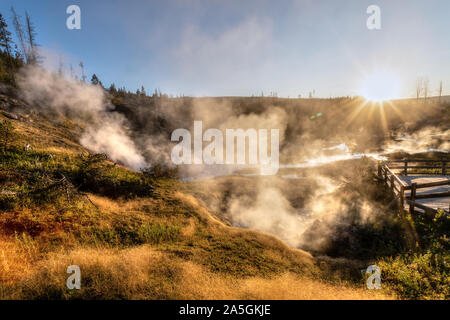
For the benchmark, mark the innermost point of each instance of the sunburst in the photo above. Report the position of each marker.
(380, 86)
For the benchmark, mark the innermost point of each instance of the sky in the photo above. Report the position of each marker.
(246, 47)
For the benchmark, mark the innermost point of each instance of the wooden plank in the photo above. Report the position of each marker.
(421, 206)
(419, 160)
(433, 184)
(401, 199)
(412, 197)
(426, 173)
(416, 167)
(379, 169)
(433, 195)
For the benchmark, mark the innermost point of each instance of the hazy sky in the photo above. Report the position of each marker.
(228, 47)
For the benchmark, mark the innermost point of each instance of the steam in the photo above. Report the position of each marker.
(106, 132)
(428, 139)
(110, 132)
(113, 140)
(271, 213)
(311, 226)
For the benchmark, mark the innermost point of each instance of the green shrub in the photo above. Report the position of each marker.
(418, 276)
(7, 134)
(95, 175)
(123, 234)
(157, 233)
(426, 274)
(160, 171)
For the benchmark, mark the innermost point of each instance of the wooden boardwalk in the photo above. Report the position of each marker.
(424, 187)
(434, 203)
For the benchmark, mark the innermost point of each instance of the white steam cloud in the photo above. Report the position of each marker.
(273, 213)
(425, 140)
(105, 132)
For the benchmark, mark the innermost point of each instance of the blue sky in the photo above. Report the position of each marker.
(230, 47)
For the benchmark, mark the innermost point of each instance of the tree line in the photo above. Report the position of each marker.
(423, 88)
(14, 55)
(24, 51)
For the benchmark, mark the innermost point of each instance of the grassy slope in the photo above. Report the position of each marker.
(132, 236)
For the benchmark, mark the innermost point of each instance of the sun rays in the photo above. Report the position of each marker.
(380, 86)
(378, 92)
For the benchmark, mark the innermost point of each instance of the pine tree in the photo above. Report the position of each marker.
(94, 80)
(5, 43)
(112, 89)
(5, 36)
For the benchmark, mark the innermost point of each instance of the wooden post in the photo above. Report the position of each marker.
(379, 170)
(392, 184)
(406, 167)
(402, 199)
(413, 197)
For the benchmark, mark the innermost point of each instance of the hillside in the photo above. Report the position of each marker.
(133, 235)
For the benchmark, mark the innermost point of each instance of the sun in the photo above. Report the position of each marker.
(380, 86)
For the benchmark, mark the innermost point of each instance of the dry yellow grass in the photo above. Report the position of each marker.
(15, 261)
(199, 284)
(290, 286)
(201, 210)
(109, 205)
(59, 150)
(144, 273)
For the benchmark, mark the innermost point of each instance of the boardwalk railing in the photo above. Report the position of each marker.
(432, 166)
(398, 186)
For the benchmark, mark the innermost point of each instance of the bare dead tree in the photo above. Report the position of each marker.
(60, 67)
(419, 86)
(440, 91)
(20, 34)
(426, 84)
(64, 186)
(83, 75)
(71, 72)
(31, 37)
